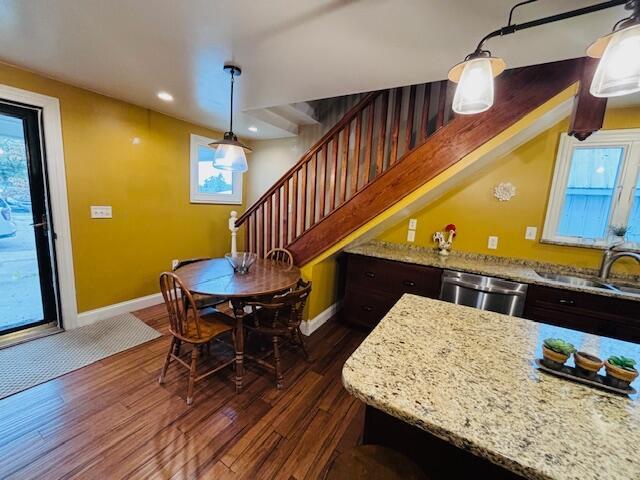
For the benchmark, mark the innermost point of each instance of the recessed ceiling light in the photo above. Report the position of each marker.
(253, 129)
(165, 96)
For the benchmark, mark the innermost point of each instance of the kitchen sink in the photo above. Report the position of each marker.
(575, 281)
(626, 288)
(588, 282)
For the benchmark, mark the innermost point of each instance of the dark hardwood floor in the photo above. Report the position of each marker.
(113, 420)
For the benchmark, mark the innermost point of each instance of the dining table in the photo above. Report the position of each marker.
(216, 277)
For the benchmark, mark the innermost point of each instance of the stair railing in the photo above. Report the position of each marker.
(368, 140)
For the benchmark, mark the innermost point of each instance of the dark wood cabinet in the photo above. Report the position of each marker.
(374, 285)
(598, 314)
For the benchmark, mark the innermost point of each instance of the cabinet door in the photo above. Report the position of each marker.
(366, 309)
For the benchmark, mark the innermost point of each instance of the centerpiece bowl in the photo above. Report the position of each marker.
(241, 261)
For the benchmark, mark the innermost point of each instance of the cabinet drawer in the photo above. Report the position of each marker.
(393, 277)
(602, 315)
(365, 308)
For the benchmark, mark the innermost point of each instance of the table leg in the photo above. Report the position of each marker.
(238, 310)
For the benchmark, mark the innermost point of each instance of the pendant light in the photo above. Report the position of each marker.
(230, 153)
(474, 76)
(618, 72)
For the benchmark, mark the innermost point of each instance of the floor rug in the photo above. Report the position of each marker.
(28, 364)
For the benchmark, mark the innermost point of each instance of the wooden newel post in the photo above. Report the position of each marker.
(234, 232)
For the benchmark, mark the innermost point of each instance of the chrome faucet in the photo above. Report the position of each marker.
(609, 257)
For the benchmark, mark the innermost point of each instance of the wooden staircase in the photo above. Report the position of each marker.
(386, 146)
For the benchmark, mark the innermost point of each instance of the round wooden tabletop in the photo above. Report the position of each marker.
(216, 277)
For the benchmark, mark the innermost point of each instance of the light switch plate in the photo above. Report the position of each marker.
(101, 211)
(492, 244)
(531, 233)
(411, 236)
(413, 223)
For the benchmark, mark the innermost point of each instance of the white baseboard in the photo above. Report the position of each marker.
(310, 326)
(92, 316)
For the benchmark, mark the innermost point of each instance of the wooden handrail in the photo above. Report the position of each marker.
(326, 138)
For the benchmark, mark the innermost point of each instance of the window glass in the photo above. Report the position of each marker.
(633, 234)
(212, 180)
(208, 184)
(587, 202)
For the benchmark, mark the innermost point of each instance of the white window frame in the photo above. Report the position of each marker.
(215, 198)
(629, 140)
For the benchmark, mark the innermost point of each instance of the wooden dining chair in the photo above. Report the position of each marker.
(280, 255)
(279, 318)
(188, 326)
(202, 301)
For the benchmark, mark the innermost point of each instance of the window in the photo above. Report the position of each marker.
(208, 184)
(595, 186)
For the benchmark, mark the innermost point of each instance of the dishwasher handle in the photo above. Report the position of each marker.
(472, 286)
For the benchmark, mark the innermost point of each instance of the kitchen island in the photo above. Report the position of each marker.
(467, 378)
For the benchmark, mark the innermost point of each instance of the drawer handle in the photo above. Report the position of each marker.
(370, 274)
(409, 283)
(366, 308)
(564, 301)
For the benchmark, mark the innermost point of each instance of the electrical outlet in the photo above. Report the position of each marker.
(531, 233)
(413, 223)
(174, 263)
(101, 211)
(493, 243)
(411, 236)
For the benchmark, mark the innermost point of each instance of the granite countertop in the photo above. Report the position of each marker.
(508, 268)
(468, 377)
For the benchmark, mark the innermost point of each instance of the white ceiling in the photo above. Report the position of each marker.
(289, 50)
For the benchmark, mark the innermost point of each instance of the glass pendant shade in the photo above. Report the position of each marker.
(474, 92)
(618, 72)
(230, 157)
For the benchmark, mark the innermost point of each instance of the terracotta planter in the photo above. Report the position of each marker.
(587, 364)
(553, 359)
(619, 376)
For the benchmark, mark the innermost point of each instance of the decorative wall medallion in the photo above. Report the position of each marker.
(505, 191)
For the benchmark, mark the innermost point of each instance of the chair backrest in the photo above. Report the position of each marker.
(283, 310)
(180, 306)
(187, 261)
(280, 255)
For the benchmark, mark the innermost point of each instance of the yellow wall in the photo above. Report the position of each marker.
(325, 286)
(147, 185)
(478, 214)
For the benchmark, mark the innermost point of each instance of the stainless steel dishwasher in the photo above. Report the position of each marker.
(485, 293)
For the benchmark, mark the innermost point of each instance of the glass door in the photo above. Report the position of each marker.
(28, 286)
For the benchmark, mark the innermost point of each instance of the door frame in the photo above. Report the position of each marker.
(57, 183)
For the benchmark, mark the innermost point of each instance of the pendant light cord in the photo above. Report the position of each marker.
(231, 115)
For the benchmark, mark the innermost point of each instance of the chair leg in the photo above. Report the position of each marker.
(192, 374)
(167, 361)
(276, 360)
(300, 341)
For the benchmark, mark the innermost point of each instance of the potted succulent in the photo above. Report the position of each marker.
(555, 352)
(621, 371)
(618, 233)
(587, 364)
